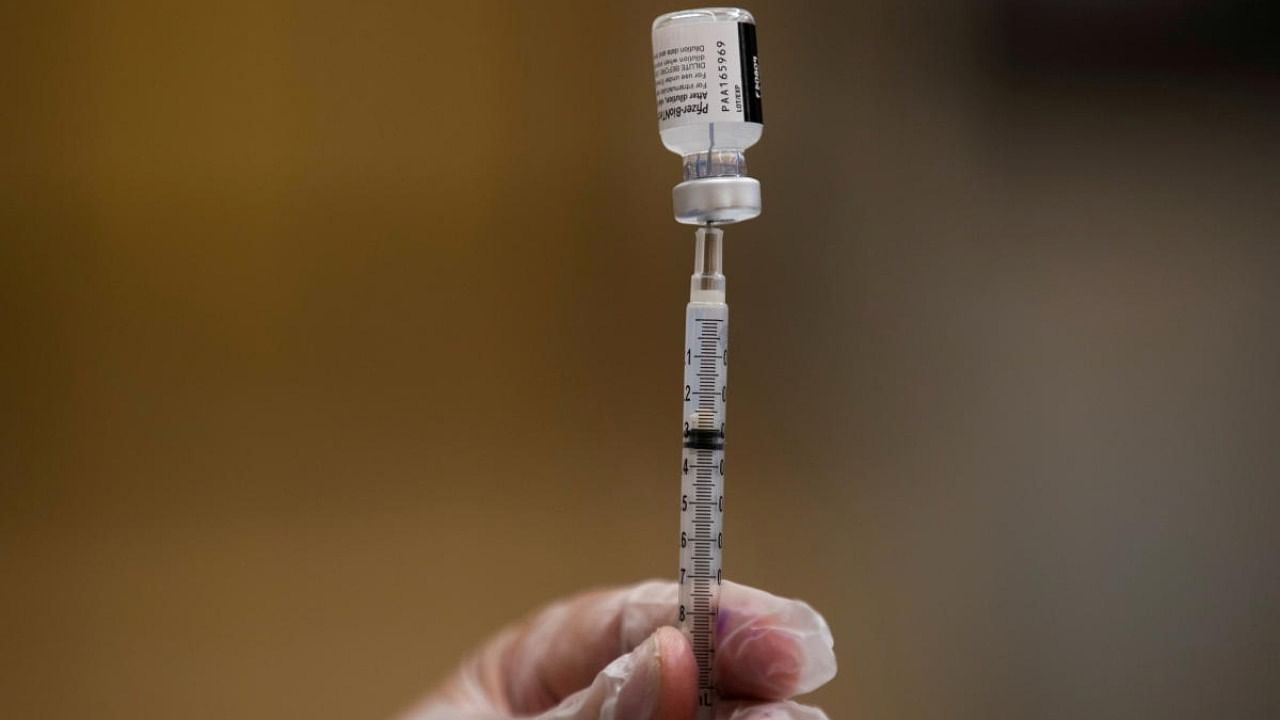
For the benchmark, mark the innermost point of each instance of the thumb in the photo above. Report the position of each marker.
(653, 681)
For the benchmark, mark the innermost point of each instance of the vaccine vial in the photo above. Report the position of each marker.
(706, 72)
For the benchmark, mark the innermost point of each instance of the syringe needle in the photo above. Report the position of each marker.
(707, 282)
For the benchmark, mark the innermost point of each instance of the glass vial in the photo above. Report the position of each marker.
(706, 73)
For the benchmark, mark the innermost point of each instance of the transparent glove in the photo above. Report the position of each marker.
(610, 655)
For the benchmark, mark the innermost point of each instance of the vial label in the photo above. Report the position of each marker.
(706, 72)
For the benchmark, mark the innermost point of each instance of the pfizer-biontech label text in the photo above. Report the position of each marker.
(706, 72)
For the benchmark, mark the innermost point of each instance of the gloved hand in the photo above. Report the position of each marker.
(607, 655)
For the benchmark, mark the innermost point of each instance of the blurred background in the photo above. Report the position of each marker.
(335, 336)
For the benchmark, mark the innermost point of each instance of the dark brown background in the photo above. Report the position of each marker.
(335, 336)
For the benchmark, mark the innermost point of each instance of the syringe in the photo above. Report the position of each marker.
(707, 77)
(706, 365)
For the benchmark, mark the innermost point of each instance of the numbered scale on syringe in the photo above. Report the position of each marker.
(706, 359)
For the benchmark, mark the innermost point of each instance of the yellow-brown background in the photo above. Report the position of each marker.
(337, 335)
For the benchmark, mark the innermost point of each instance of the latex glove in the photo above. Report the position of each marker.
(608, 655)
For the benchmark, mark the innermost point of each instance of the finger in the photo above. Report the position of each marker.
(562, 648)
(769, 647)
(470, 693)
(656, 680)
(785, 710)
(445, 711)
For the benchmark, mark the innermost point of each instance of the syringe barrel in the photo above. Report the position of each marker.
(702, 468)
